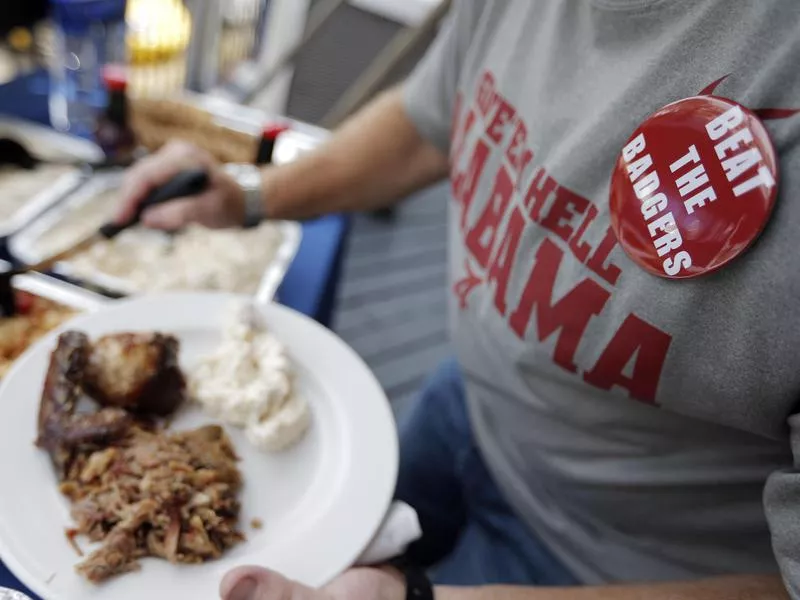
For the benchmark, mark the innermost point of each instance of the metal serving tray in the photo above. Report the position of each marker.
(299, 138)
(23, 244)
(56, 290)
(47, 144)
(248, 119)
(40, 202)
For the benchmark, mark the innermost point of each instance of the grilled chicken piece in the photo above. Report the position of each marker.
(61, 431)
(136, 371)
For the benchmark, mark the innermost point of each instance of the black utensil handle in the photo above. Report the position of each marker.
(185, 183)
(112, 230)
(14, 153)
(8, 301)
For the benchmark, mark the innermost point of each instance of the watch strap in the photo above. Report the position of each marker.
(253, 208)
(418, 584)
(248, 177)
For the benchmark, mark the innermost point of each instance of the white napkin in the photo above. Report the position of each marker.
(7, 594)
(398, 530)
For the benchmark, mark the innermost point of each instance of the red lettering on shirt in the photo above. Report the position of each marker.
(565, 207)
(480, 239)
(635, 342)
(597, 261)
(486, 93)
(520, 199)
(569, 316)
(540, 189)
(500, 269)
(465, 184)
(503, 118)
(457, 147)
(517, 154)
(464, 286)
(580, 248)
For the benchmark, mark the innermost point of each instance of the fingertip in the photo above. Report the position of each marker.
(125, 212)
(230, 580)
(158, 218)
(173, 215)
(246, 583)
(131, 193)
(120, 216)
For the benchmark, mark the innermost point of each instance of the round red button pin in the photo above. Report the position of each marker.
(693, 187)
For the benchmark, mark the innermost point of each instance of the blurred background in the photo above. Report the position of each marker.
(314, 61)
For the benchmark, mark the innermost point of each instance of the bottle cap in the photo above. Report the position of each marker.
(272, 130)
(115, 78)
(266, 145)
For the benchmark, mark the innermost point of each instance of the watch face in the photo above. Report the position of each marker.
(252, 179)
(247, 176)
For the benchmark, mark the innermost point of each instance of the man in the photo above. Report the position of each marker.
(602, 425)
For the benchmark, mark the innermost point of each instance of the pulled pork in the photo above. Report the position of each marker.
(172, 496)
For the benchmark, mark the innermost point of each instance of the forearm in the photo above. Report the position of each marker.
(723, 588)
(374, 159)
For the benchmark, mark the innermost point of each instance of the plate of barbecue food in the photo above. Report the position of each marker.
(158, 442)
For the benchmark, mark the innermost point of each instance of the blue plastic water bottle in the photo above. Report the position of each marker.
(90, 34)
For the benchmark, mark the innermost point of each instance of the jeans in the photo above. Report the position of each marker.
(470, 534)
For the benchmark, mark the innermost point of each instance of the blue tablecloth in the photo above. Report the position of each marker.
(310, 284)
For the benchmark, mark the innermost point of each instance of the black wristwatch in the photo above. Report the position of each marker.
(418, 585)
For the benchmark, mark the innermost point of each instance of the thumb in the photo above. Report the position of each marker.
(255, 583)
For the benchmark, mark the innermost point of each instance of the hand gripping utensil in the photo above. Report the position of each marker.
(185, 183)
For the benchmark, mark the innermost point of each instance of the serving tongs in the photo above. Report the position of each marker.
(185, 183)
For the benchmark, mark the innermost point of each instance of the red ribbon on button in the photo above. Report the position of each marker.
(693, 187)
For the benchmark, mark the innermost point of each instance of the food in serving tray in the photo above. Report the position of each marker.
(18, 186)
(36, 316)
(135, 488)
(195, 258)
(157, 121)
(247, 382)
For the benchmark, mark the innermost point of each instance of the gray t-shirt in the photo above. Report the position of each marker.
(639, 425)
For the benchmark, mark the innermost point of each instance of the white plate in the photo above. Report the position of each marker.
(56, 290)
(321, 502)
